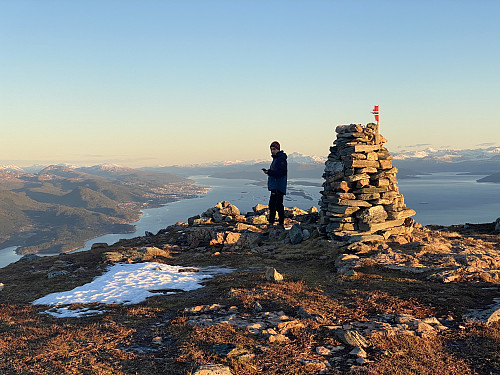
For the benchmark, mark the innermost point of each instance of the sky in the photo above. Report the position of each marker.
(150, 82)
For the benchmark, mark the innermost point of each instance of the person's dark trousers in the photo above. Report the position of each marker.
(276, 205)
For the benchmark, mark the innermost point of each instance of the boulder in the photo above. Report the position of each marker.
(256, 220)
(192, 219)
(295, 234)
(232, 238)
(273, 275)
(260, 208)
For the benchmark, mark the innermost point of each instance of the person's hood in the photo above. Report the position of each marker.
(280, 154)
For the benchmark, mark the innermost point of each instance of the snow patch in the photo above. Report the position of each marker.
(129, 284)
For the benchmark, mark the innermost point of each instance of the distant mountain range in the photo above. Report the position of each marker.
(480, 161)
(411, 164)
(59, 207)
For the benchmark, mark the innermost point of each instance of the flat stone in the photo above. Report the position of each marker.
(371, 189)
(375, 214)
(362, 163)
(351, 337)
(357, 177)
(380, 226)
(385, 164)
(489, 316)
(369, 196)
(278, 339)
(345, 210)
(358, 352)
(334, 166)
(354, 203)
(213, 370)
(395, 215)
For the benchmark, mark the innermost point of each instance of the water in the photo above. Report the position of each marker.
(450, 198)
(8, 256)
(440, 198)
(242, 193)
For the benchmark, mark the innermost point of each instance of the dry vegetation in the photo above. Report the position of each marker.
(158, 336)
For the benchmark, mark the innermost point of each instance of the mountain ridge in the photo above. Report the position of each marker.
(58, 208)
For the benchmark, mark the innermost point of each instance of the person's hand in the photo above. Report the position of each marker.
(264, 170)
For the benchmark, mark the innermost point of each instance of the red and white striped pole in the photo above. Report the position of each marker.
(376, 113)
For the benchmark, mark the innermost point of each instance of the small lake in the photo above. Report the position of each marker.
(439, 198)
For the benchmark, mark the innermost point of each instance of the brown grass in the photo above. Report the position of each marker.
(121, 341)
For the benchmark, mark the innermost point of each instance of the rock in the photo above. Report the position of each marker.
(157, 340)
(98, 245)
(148, 234)
(365, 238)
(217, 216)
(223, 349)
(346, 262)
(351, 337)
(321, 350)
(375, 214)
(226, 208)
(232, 238)
(303, 313)
(295, 234)
(334, 166)
(306, 234)
(192, 219)
(273, 275)
(497, 225)
(213, 370)
(240, 227)
(30, 257)
(249, 240)
(260, 208)
(284, 327)
(358, 352)
(361, 360)
(258, 220)
(278, 339)
(53, 274)
(489, 315)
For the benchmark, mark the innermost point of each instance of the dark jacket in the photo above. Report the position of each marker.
(276, 174)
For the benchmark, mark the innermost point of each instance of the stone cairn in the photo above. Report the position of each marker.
(361, 199)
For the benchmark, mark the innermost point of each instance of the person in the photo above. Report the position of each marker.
(276, 183)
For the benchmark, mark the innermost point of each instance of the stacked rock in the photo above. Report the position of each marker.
(361, 199)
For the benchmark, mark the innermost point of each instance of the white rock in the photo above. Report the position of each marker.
(273, 275)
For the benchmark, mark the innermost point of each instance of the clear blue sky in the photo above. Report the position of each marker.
(190, 81)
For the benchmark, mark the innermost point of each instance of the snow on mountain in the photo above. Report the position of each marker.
(106, 169)
(12, 168)
(297, 157)
(448, 155)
